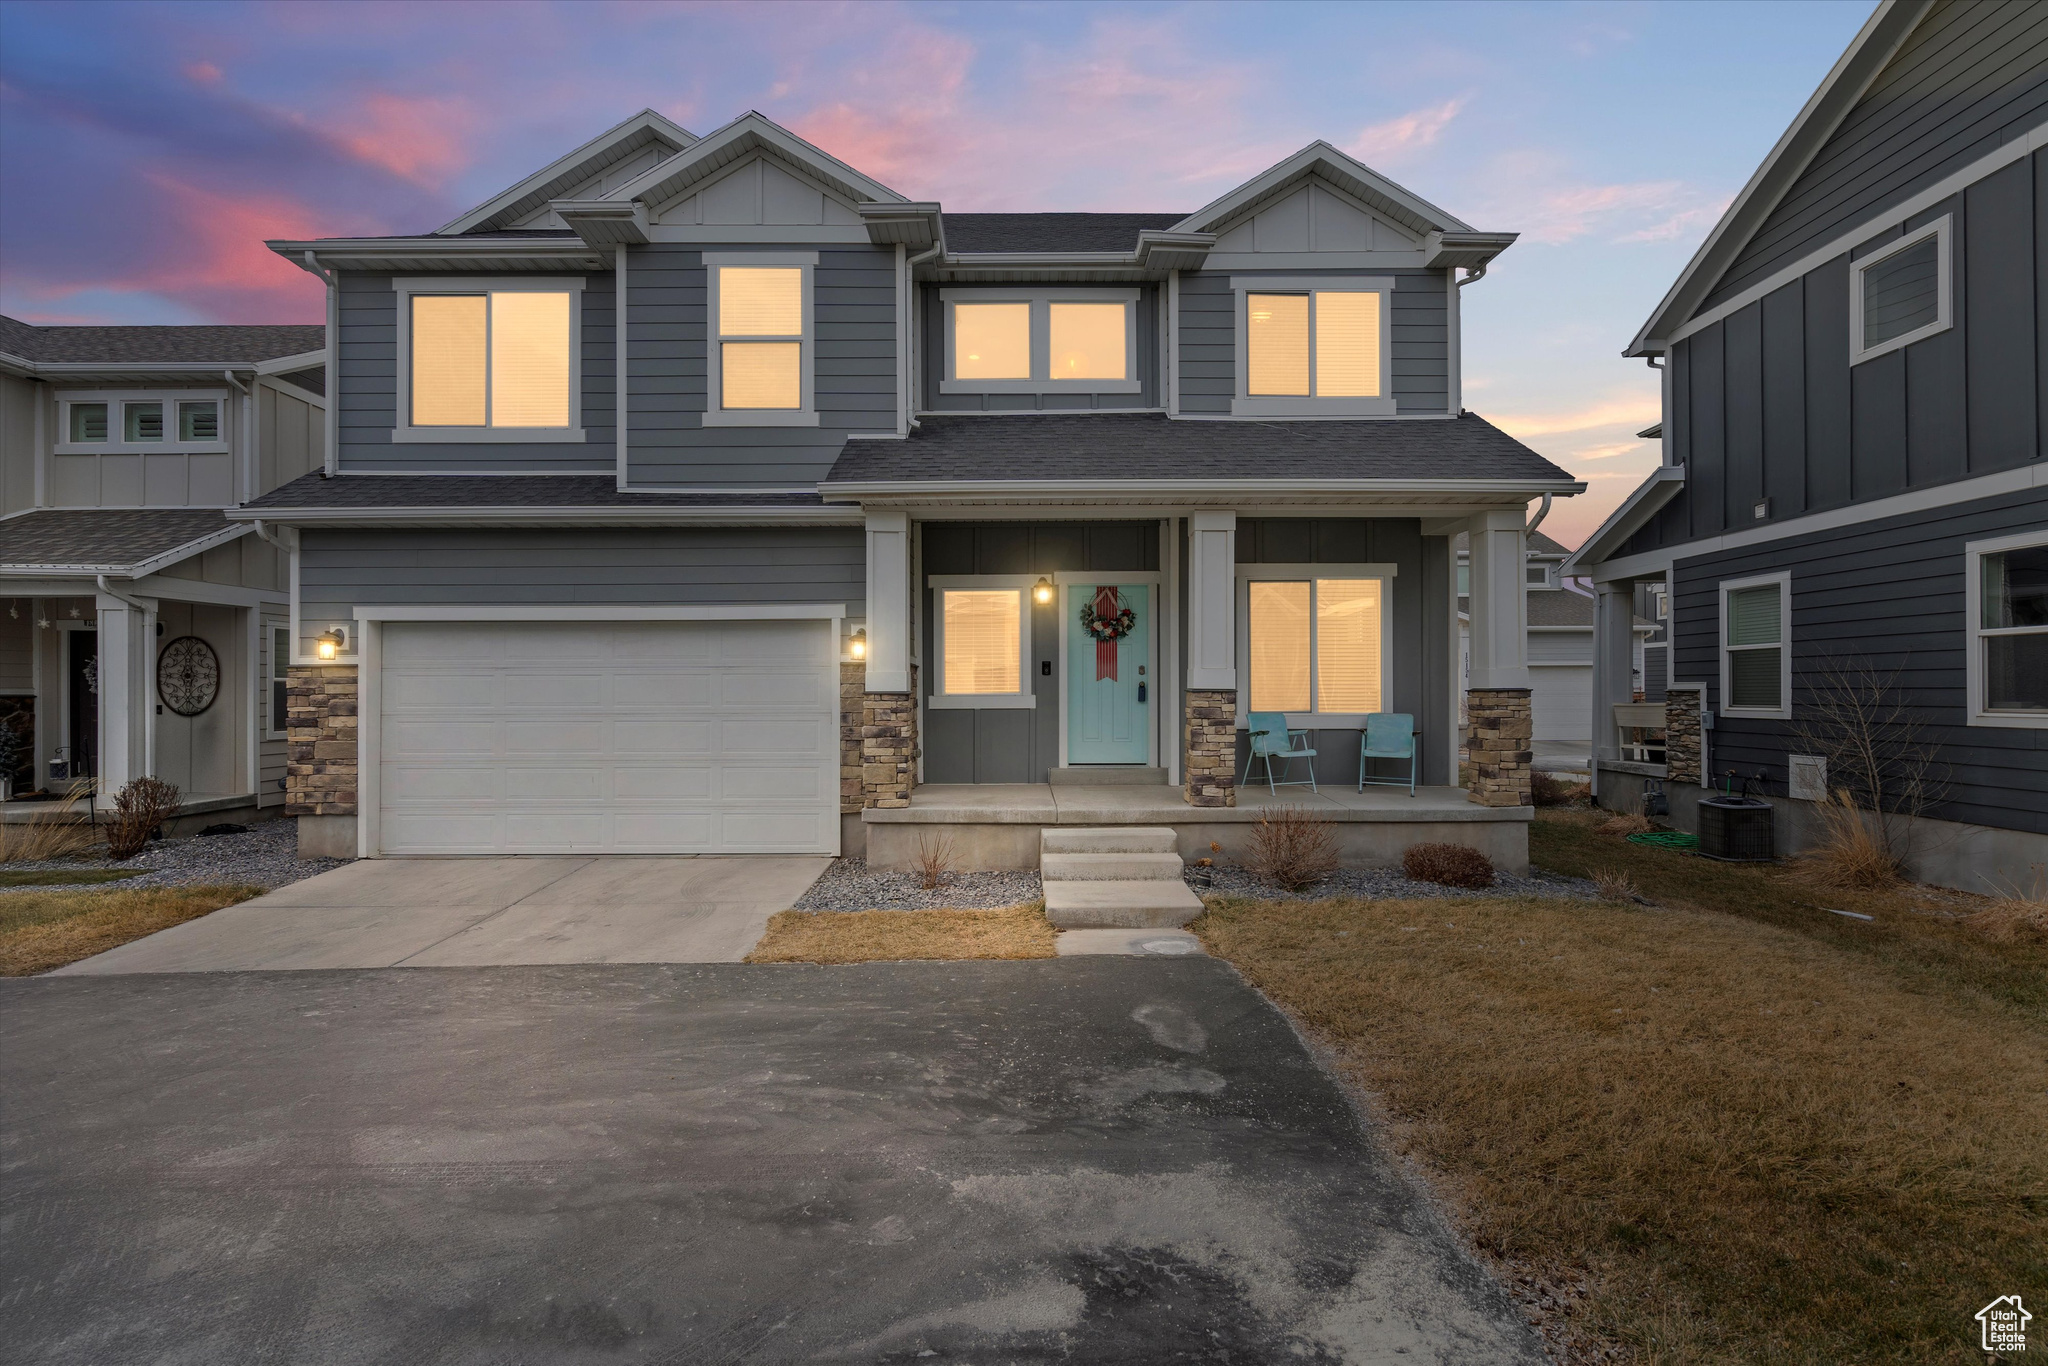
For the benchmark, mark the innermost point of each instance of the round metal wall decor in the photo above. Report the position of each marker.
(188, 675)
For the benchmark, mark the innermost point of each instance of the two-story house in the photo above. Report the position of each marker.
(1855, 371)
(144, 632)
(705, 494)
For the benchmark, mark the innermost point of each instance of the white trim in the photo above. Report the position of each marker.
(1248, 574)
(1944, 314)
(1039, 300)
(1244, 489)
(1244, 403)
(621, 407)
(1782, 580)
(1065, 581)
(1321, 157)
(805, 414)
(1020, 584)
(228, 425)
(1974, 632)
(646, 121)
(1454, 380)
(1171, 707)
(404, 287)
(760, 611)
(273, 727)
(845, 514)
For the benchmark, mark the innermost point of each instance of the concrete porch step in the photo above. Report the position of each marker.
(1119, 839)
(1110, 867)
(1107, 775)
(1120, 905)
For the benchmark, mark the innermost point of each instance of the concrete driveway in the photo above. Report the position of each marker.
(476, 912)
(1098, 1159)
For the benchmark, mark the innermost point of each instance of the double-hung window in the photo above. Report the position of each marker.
(1313, 346)
(1756, 647)
(103, 424)
(489, 360)
(2008, 628)
(1008, 341)
(1314, 638)
(1900, 293)
(760, 345)
(982, 629)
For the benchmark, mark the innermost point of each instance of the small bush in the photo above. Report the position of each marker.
(37, 841)
(1293, 848)
(1545, 790)
(1449, 865)
(934, 860)
(140, 809)
(2021, 914)
(1850, 852)
(1614, 884)
(1626, 824)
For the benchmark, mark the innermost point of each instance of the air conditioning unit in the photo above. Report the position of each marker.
(1737, 829)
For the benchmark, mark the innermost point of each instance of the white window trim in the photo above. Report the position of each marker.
(1041, 299)
(274, 725)
(1944, 295)
(1245, 405)
(115, 445)
(1021, 584)
(405, 287)
(806, 413)
(1247, 574)
(1974, 634)
(1783, 711)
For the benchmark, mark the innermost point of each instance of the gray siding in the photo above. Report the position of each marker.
(1766, 405)
(1891, 593)
(1972, 77)
(855, 314)
(1419, 335)
(932, 360)
(1016, 745)
(368, 395)
(339, 570)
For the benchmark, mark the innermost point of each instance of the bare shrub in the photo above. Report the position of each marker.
(934, 860)
(1851, 851)
(1626, 824)
(40, 840)
(2021, 914)
(140, 809)
(1449, 865)
(1545, 790)
(1293, 847)
(1614, 884)
(1882, 758)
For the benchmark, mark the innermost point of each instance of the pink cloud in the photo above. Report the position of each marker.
(1397, 138)
(203, 73)
(419, 139)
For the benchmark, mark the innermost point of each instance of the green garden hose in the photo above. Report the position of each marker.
(1666, 839)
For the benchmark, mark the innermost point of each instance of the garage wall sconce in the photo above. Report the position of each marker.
(330, 642)
(1041, 592)
(857, 645)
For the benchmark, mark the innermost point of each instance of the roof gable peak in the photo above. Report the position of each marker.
(617, 143)
(1341, 169)
(752, 133)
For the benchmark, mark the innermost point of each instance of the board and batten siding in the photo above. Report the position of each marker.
(1418, 331)
(341, 570)
(291, 437)
(931, 355)
(666, 375)
(1765, 405)
(1972, 77)
(368, 395)
(1889, 594)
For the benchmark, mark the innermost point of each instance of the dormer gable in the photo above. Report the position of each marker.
(752, 137)
(612, 158)
(761, 192)
(1317, 217)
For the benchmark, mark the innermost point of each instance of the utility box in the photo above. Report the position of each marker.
(1737, 829)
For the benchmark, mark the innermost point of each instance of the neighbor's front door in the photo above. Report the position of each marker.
(1110, 690)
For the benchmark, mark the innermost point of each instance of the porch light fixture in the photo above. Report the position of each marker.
(330, 642)
(858, 645)
(1041, 592)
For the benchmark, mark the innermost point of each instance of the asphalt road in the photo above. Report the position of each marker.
(1100, 1159)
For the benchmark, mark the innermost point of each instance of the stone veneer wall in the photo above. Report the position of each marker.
(1682, 735)
(1499, 745)
(888, 746)
(1211, 778)
(320, 740)
(853, 685)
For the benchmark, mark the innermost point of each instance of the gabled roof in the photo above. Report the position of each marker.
(129, 542)
(1875, 44)
(565, 173)
(212, 346)
(745, 136)
(1648, 499)
(1346, 172)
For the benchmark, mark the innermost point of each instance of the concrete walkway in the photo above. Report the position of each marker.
(477, 912)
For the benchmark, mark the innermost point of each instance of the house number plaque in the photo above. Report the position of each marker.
(188, 675)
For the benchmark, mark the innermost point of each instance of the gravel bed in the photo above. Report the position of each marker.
(848, 886)
(1388, 884)
(266, 855)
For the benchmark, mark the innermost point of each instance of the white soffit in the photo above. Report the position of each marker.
(613, 145)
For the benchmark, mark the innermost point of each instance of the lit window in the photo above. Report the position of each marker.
(2010, 630)
(1332, 336)
(1087, 341)
(1010, 341)
(142, 422)
(199, 421)
(992, 341)
(764, 304)
(1276, 337)
(1315, 645)
(494, 359)
(1755, 662)
(88, 422)
(1900, 293)
(984, 635)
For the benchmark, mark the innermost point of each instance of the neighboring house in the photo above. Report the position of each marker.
(141, 626)
(702, 494)
(1855, 392)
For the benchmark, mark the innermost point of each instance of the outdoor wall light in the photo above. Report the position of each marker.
(330, 642)
(1041, 592)
(858, 646)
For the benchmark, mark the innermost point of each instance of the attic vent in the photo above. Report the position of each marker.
(1808, 779)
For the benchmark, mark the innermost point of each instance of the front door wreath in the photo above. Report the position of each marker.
(1107, 620)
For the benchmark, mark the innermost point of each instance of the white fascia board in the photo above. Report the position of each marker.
(187, 551)
(1874, 45)
(748, 132)
(555, 611)
(554, 516)
(1649, 498)
(644, 121)
(1339, 166)
(1153, 490)
(505, 254)
(284, 365)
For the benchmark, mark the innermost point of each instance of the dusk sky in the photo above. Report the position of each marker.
(146, 151)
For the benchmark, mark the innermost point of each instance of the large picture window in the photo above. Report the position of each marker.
(1756, 647)
(1900, 293)
(491, 360)
(1315, 644)
(2008, 607)
(1309, 346)
(1010, 341)
(761, 342)
(982, 626)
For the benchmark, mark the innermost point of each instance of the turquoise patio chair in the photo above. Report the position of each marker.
(1387, 735)
(1270, 740)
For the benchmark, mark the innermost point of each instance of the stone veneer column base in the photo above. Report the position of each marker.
(1499, 744)
(852, 716)
(1211, 776)
(888, 747)
(1682, 736)
(320, 740)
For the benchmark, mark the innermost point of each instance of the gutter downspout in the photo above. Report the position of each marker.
(621, 413)
(1541, 513)
(245, 429)
(910, 266)
(330, 463)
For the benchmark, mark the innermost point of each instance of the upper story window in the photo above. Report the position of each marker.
(1538, 575)
(1900, 293)
(1314, 638)
(760, 344)
(1313, 346)
(108, 424)
(489, 360)
(2008, 606)
(1006, 341)
(1756, 647)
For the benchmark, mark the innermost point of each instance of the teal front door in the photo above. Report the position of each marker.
(1109, 710)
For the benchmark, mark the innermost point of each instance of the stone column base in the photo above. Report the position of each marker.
(1499, 746)
(1211, 774)
(320, 741)
(1682, 735)
(888, 748)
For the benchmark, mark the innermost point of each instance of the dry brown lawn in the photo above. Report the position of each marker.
(890, 936)
(44, 930)
(1752, 1130)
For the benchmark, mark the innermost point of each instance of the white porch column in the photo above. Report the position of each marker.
(888, 601)
(127, 647)
(1212, 601)
(1500, 611)
(1613, 660)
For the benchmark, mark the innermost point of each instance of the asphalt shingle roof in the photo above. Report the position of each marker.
(229, 344)
(102, 538)
(972, 232)
(1153, 446)
(496, 491)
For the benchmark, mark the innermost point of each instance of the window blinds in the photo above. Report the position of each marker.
(529, 360)
(1276, 339)
(984, 641)
(992, 341)
(448, 375)
(1348, 645)
(1088, 341)
(1347, 344)
(1279, 632)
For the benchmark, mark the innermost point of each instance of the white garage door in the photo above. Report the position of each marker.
(621, 737)
(1561, 702)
